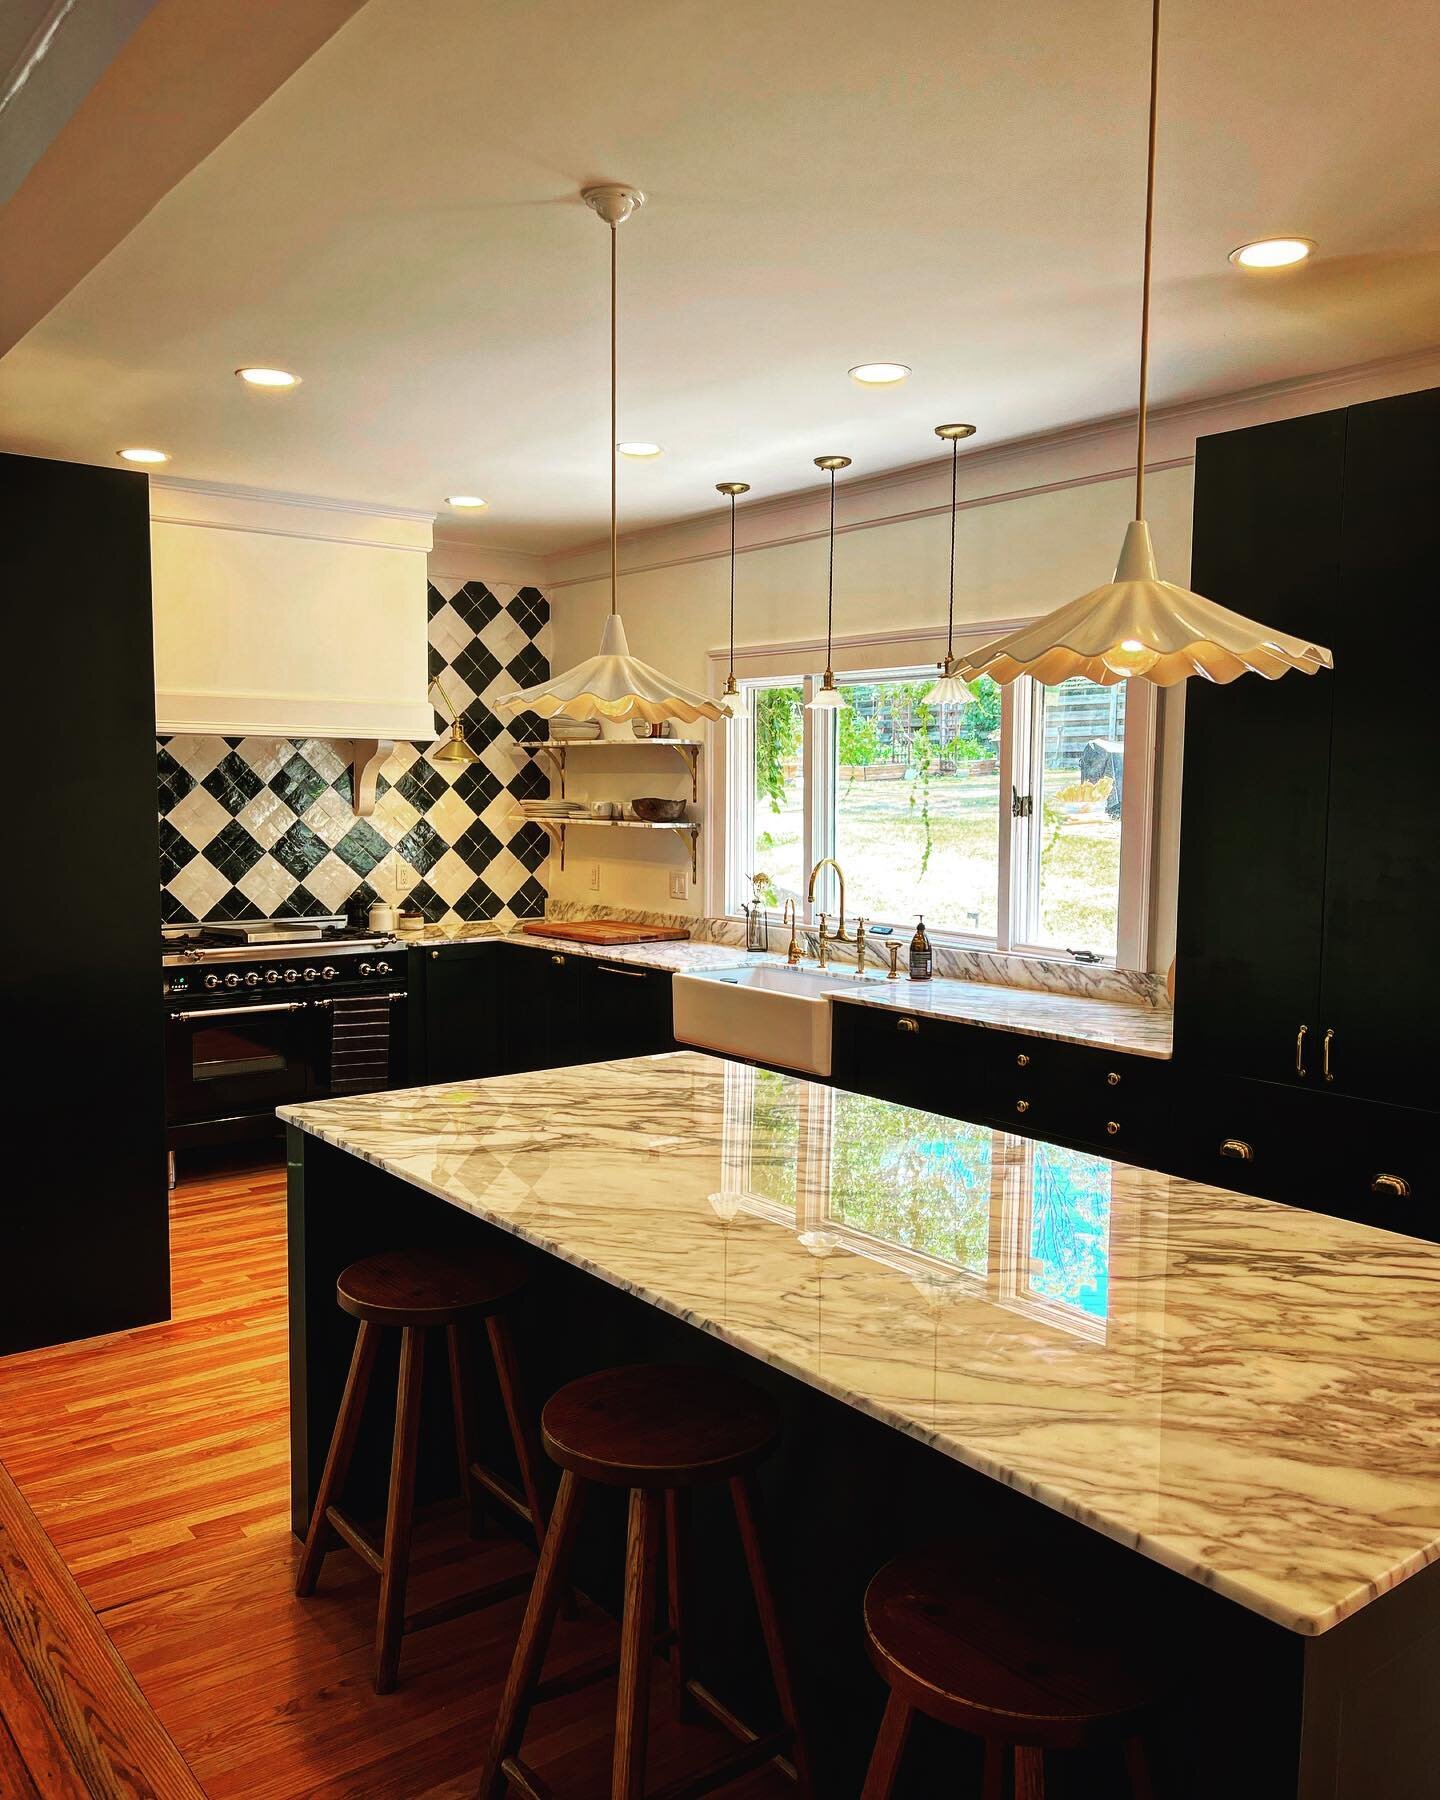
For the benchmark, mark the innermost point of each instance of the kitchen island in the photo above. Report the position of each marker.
(1228, 1407)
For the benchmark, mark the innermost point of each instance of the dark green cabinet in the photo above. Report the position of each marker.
(454, 1012)
(542, 1012)
(627, 1010)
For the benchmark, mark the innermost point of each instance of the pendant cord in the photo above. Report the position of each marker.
(954, 490)
(732, 587)
(614, 440)
(830, 583)
(1149, 253)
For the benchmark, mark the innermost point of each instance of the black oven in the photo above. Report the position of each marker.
(244, 1036)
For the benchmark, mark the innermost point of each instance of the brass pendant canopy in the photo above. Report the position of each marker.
(1138, 626)
(827, 696)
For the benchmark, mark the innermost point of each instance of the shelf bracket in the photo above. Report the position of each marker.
(689, 833)
(690, 753)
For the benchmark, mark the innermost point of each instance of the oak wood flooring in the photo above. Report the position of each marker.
(156, 1461)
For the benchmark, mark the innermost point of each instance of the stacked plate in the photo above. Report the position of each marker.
(554, 809)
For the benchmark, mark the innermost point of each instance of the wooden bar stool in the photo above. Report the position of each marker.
(976, 1647)
(416, 1292)
(660, 1431)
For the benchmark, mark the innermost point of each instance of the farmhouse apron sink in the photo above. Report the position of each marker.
(774, 1015)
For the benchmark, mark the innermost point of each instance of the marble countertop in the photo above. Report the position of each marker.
(1069, 1018)
(1066, 1018)
(1243, 1392)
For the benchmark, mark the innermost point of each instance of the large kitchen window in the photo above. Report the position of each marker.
(1004, 820)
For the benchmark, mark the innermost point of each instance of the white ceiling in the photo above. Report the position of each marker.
(951, 183)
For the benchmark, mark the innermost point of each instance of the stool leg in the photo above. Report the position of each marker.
(398, 1510)
(992, 1781)
(1029, 1773)
(677, 1580)
(742, 1494)
(1137, 1764)
(462, 1402)
(520, 1418)
(545, 1595)
(889, 1749)
(337, 1461)
(637, 1640)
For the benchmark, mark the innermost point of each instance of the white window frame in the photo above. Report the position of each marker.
(876, 658)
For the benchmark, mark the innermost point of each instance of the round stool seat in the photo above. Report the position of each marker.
(658, 1426)
(981, 1647)
(430, 1287)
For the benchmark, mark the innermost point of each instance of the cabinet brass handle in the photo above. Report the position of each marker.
(1112, 1079)
(434, 956)
(1300, 1068)
(1022, 1106)
(1394, 1187)
(1325, 1044)
(906, 1025)
(1237, 1149)
(1112, 1128)
(610, 969)
(557, 959)
(1022, 1061)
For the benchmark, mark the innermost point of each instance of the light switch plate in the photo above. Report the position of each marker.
(679, 885)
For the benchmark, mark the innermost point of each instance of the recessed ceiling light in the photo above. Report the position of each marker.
(879, 374)
(1272, 253)
(467, 502)
(143, 456)
(269, 378)
(638, 449)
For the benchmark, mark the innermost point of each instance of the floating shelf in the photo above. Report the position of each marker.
(555, 753)
(687, 830)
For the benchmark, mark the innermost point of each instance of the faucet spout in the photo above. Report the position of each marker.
(839, 933)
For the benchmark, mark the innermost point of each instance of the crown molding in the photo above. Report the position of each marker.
(227, 490)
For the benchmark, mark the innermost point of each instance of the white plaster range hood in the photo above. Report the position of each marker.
(277, 617)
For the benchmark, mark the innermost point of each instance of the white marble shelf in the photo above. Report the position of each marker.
(1244, 1392)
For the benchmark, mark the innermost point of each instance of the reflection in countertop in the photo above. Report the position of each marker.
(1242, 1391)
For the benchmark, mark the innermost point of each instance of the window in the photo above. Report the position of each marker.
(1005, 820)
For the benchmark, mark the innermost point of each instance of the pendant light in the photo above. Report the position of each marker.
(829, 696)
(454, 749)
(1137, 624)
(949, 690)
(613, 685)
(731, 693)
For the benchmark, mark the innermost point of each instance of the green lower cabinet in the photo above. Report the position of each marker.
(454, 1012)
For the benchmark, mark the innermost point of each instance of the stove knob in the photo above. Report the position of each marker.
(253, 978)
(292, 974)
(232, 981)
(310, 974)
(271, 977)
(368, 968)
(212, 981)
(328, 973)
(382, 968)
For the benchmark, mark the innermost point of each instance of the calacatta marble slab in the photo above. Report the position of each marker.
(1068, 1018)
(1246, 1393)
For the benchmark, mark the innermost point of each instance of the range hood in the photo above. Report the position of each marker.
(276, 617)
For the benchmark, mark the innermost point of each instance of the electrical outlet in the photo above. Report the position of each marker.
(595, 877)
(405, 876)
(679, 885)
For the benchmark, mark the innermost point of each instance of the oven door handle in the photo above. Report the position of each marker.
(231, 1012)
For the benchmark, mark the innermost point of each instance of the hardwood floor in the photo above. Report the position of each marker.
(157, 1462)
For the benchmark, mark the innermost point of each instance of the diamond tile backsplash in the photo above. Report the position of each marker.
(263, 827)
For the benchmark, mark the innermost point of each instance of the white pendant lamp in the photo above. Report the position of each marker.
(1138, 625)
(827, 697)
(613, 685)
(950, 690)
(730, 698)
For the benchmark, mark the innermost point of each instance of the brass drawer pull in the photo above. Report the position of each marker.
(1325, 1044)
(1237, 1149)
(1112, 1079)
(557, 959)
(1022, 1061)
(1300, 1068)
(1394, 1187)
(1022, 1106)
(1112, 1128)
(610, 969)
(906, 1025)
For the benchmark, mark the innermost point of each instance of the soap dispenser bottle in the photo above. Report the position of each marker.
(922, 957)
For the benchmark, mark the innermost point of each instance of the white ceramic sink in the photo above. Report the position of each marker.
(771, 1014)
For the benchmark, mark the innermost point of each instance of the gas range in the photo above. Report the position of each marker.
(217, 957)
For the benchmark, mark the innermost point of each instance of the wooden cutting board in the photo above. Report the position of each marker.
(606, 931)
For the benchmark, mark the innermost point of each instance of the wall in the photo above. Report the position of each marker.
(263, 827)
(1041, 522)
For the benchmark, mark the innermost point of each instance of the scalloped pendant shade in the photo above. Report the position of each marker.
(1139, 625)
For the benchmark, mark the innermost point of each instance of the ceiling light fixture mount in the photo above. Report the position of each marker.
(733, 489)
(1273, 253)
(274, 380)
(1138, 625)
(614, 685)
(827, 697)
(879, 374)
(950, 690)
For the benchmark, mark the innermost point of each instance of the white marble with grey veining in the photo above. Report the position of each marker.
(1067, 1018)
(1246, 1393)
